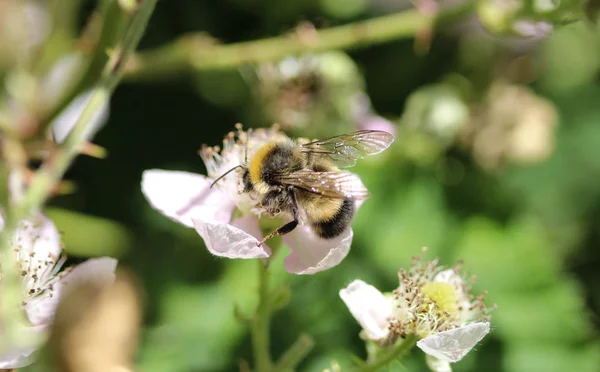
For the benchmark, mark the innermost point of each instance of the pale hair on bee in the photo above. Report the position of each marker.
(304, 179)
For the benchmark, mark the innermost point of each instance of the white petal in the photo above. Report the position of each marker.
(40, 310)
(250, 224)
(311, 254)
(451, 346)
(65, 121)
(98, 270)
(37, 235)
(16, 358)
(226, 240)
(437, 365)
(370, 308)
(23, 356)
(59, 78)
(184, 196)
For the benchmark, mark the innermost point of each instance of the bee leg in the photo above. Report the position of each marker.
(282, 230)
(288, 227)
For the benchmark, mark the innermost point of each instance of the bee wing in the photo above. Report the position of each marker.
(345, 149)
(338, 185)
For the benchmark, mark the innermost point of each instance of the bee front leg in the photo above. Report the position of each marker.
(288, 227)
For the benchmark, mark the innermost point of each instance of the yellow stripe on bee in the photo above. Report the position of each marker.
(257, 162)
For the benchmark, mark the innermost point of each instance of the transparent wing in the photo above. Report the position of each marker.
(339, 184)
(345, 149)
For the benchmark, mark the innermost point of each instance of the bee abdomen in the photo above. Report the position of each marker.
(337, 224)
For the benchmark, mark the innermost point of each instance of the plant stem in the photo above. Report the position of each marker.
(53, 169)
(114, 22)
(198, 52)
(51, 172)
(295, 354)
(260, 323)
(389, 356)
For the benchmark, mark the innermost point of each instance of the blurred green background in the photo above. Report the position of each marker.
(497, 162)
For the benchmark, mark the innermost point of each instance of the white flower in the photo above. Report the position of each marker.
(63, 74)
(39, 258)
(48, 92)
(301, 92)
(431, 303)
(369, 307)
(62, 125)
(227, 219)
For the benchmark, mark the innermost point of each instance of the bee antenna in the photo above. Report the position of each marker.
(224, 174)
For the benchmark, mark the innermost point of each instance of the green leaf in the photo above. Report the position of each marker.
(197, 331)
(555, 314)
(539, 356)
(521, 249)
(85, 235)
(396, 227)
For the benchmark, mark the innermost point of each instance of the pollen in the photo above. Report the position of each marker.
(443, 294)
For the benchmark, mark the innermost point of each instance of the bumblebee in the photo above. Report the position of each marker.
(305, 181)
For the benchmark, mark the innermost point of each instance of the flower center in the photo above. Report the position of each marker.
(443, 294)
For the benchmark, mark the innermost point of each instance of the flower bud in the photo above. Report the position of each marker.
(312, 95)
(436, 110)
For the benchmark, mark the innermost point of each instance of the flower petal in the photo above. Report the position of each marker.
(369, 307)
(98, 270)
(311, 254)
(226, 240)
(60, 77)
(184, 196)
(38, 235)
(40, 310)
(437, 365)
(251, 225)
(451, 346)
(66, 120)
(22, 356)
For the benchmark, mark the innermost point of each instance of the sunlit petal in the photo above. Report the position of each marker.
(20, 357)
(311, 254)
(40, 310)
(437, 365)
(369, 307)
(184, 196)
(451, 346)
(66, 120)
(226, 240)
(37, 237)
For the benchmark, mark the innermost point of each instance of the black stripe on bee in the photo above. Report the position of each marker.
(337, 224)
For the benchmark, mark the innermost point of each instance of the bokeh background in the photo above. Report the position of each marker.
(497, 162)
